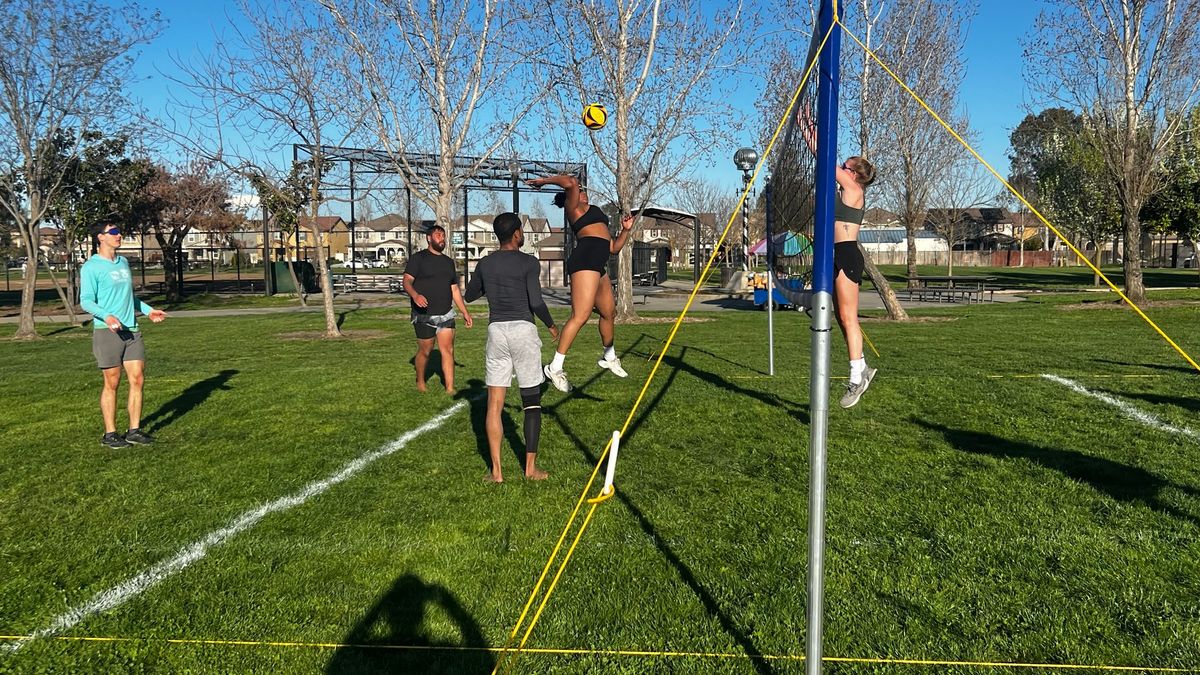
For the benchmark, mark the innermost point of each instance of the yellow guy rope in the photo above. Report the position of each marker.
(645, 387)
(603, 652)
(1019, 196)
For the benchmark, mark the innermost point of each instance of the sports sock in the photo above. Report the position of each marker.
(557, 363)
(609, 353)
(857, 366)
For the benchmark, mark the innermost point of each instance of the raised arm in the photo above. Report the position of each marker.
(626, 227)
(808, 128)
(574, 203)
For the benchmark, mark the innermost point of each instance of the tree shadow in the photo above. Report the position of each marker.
(188, 399)
(1190, 404)
(1153, 366)
(1121, 482)
(476, 396)
(710, 603)
(393, 638)
(718, 357)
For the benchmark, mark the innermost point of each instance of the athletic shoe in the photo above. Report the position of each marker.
(139, 437)
(113, 440)
(613, 364)
(855, 391)
(558, 377)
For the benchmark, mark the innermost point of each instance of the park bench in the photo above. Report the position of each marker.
(965, 289)
(385, 283)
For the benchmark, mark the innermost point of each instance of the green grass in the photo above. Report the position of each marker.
(977, 512)
(1050, 278)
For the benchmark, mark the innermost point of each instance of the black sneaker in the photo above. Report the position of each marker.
(137, 436)
(113, 440)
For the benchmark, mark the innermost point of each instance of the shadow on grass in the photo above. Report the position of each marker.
(188, 399)
(1153, 366)
(399, 620)
(1190, 404)
(433, 366)
(1121, 482)
(476, 396)
(710, 603)
(796, 410)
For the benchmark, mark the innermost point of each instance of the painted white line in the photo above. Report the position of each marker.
(1129, 411)
(134, 586)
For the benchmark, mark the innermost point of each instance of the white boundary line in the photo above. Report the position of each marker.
(1128, 410)
(134, 586)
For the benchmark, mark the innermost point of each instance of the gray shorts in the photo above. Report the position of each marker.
(513, 347)
(112, 349)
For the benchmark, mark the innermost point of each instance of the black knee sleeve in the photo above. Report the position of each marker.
(531, 401)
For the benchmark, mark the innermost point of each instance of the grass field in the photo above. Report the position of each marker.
(977, 511)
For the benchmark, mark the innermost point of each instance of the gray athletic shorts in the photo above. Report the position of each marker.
(112, 349)
(513, 347)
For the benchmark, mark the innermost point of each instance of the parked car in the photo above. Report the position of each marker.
(378, 264)
(352, 264)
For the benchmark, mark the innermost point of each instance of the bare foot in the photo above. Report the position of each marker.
(451, 390)
(490, 478)
(536, 474)
(421, 387)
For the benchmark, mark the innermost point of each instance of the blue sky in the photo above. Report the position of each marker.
(993, 92)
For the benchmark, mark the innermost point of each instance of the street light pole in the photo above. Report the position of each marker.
(745, 159)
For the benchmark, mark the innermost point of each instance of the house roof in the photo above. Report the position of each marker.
(390, 221)
(553, 241)
(880, 216)
(324, 223)
(890, 235)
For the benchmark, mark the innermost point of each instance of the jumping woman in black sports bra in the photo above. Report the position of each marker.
(852, 176)
(588, 268)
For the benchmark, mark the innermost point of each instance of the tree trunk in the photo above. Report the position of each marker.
(25, 329)
(1135, 289)
(911, 258)
(331, 327)
(171, 272)
(68, 302)
(625, 310)
(890, 302)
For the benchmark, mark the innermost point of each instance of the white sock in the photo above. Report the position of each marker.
(557, 363)
(610, 354)
(857, 366)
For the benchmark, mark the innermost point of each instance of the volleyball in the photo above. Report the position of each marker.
(594, 116)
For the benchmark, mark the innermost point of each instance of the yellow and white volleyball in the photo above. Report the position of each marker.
(594, 116)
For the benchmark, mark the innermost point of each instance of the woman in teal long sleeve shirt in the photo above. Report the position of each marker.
(106, 292)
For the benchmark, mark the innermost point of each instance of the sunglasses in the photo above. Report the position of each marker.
(114, 231)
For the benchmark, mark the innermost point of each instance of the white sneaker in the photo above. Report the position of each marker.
(613, 364)
(558, 377)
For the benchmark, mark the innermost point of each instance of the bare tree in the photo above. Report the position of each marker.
(1132, 67)
(658, 68)
(702, 196)
(280, 80)
(961, 185)
(921, 42)
(437, 82)
(62, 70)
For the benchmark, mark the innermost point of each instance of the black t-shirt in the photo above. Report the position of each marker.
(509, 279)
(432, 274)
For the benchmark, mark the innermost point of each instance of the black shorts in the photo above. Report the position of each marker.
(591, 253)
(847, 258)
(426, 330)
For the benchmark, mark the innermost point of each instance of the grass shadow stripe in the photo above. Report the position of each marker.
(1126, 409)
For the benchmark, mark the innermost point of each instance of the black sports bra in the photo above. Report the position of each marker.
(847, 214)
(592, 215)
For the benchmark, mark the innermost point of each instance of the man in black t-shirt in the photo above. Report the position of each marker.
(432, 282)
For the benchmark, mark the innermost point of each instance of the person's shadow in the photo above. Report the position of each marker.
(1121, 482)
(189, 398)
(392, 637)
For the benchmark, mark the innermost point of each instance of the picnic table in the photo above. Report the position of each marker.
(950, 288)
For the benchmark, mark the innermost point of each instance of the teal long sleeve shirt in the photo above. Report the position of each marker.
(106, 288)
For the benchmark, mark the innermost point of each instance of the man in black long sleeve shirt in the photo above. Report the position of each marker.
(509, 279)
